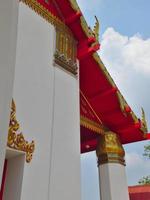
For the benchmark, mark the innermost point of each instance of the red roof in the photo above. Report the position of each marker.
(139, 192)
(101, 93)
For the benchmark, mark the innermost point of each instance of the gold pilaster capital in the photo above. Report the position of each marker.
(109, 149)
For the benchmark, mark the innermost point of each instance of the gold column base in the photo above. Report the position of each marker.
(109, 149)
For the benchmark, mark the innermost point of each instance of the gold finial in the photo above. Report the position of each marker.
(96, 29)
(144, 122)
(109, 149)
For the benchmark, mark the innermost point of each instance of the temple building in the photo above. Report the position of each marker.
(57, 100)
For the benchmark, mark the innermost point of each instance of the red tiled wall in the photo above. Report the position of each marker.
(140, 196)
(139, 192)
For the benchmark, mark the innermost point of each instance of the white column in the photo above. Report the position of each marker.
(65, 163)
(111, 165)
(8, 36)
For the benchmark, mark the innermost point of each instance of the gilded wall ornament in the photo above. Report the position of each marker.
(16, 139)
(66, 50)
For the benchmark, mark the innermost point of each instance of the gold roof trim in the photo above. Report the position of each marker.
(96, 29)
(87, 30)
(74, 5)
(121, 99)
(93, 126)
(46, 14)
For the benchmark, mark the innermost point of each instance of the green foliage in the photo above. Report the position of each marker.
(147, 151)
(145, 180)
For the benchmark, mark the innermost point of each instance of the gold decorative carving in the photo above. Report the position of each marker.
(87, 123)
(65, 55)
(16, 139)
(46, 14)
(109, 149)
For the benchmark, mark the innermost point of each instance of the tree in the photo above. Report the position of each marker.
(146, 179)
(147, 151)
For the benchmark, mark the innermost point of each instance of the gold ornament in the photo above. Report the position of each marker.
(16, 139)
(109, 149)
(45, 13)
(87, 30)
(74, 5)
(96, 29)
(93, 126)
(66, 51)
(144, 127)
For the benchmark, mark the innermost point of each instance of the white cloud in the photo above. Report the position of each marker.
(133, 160)
(122, 53)
(128, 61)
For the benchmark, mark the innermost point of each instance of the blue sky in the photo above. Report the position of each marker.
(125, 50)
(126, 17)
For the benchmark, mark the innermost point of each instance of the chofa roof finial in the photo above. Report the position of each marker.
(144, 120)
(96, 29)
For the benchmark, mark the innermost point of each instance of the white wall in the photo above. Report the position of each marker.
(48, 111)
(65, 170)
(8, 34)
(33, 94)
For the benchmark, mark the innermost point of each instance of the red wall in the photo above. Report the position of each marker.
(139, 192)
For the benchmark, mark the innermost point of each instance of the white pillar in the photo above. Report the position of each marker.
(8, 37)
(65, 163)
(111, 165)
